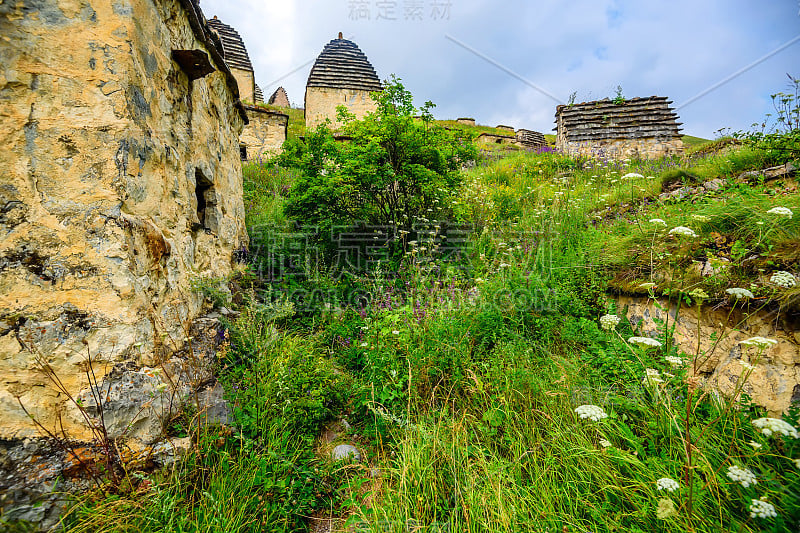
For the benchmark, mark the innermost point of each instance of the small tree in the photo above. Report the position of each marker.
(394, 169)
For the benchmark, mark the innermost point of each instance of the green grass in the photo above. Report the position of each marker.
(461, 386)
(692, 142)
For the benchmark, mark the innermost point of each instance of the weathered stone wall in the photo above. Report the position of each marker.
(247, 84)
(321, 104)
(775, 382)
(621, 148)
(105, 141)
(265, 133)
(485, 139)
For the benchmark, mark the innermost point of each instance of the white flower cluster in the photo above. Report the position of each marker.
(783, 279)
(658, 222)
(742, 475)
(666, 483)
(644, 342)
(762, 509)
(759, 342)
(609, 322)
(632, 175)
(746, 365)
(683, 230)
(592, 412)
(676, 362)
(651, 377)
(739, 293)
(768, 426)
(605, 443)
(781, 211)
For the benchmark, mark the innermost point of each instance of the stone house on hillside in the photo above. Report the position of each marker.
(267, 129)
(237, 58)
(120, 183)
(279, 98)
(645, 128)
(341, 75)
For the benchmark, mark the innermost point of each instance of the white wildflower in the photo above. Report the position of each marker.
(666, 483)
(592, 412)
(783, 279)
(754, 444)
(395, 332)
(666, 509)
(605, 443)
(796, 462)
(746, 365)
(644, 342)
(651, 377)
(739, 293)
(609, 322)
(781, 211)
(683, 230)
(632, 175)
(658, 222)
(759, 342)
(768, 426)
(762, 509)
(676, 362)
(742, 475)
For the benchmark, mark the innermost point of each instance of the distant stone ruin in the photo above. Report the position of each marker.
(645, 128)
(121, 183)
(266, 132)
(237, 58)
(341, 75)
(493, 139)
(530, 140)
(279, 98)
(504, 128)
(466, 121)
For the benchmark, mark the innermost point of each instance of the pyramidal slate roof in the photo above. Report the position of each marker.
(279, 98)
(259, 95)
(232, 45)
(342, 65)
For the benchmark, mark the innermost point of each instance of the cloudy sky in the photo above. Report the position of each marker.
(511, 61)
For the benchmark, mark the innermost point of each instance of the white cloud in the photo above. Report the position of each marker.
(675, 49)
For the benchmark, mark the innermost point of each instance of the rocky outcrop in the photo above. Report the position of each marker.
(775, 381)
(120, 183)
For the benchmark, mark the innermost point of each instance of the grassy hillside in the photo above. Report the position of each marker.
(476, 376)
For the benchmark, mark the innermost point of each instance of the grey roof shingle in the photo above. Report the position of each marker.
(232, 45)
(636, 118)
(342, 65)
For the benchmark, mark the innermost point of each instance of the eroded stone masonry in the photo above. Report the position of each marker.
(266, 131)
(645, 128)
(120, 183)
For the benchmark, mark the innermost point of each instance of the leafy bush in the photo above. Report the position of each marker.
(393, 170)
